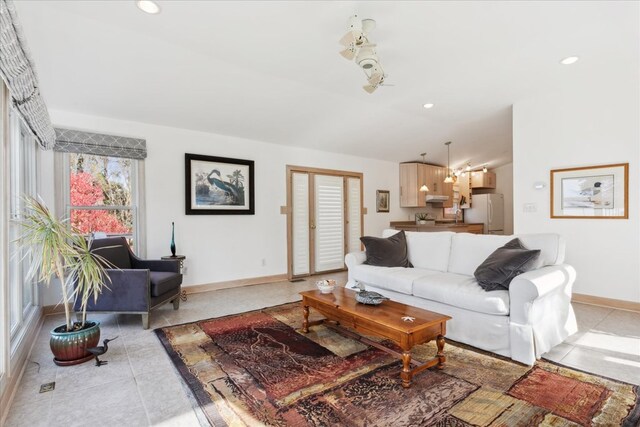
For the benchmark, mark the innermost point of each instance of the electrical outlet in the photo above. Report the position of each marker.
(264, 262)
(184, 270)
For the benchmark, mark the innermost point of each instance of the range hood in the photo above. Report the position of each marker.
(435, 198)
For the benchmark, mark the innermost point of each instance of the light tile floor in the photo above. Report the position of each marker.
(140, 387)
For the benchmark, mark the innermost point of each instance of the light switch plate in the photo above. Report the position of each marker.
(530, 208)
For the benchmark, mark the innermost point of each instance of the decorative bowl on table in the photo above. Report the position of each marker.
(326, 286)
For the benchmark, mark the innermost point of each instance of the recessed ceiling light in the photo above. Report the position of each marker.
(427, 106)
(569, 60)
(148, 6)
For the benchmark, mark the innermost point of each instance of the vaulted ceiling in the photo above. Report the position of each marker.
(271, 71)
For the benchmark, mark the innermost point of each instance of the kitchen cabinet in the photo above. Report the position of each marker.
(483, 180)
(415, 175)
(412, 177)
(438, 227)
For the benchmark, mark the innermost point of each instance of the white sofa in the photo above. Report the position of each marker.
(533, 316)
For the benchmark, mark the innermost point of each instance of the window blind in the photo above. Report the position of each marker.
(76, 141)
(18, 72)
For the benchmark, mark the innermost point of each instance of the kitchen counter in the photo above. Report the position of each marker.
(461, 227)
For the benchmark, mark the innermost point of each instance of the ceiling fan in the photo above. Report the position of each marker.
(376, 78)
(358, 47)
(356, 36)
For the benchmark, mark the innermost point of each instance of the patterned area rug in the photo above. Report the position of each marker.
(257, 369)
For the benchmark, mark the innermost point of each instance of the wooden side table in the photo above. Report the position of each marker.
(181, 258)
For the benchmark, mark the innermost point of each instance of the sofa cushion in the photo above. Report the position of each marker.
(468, 251)
(396, 279)
(551, 245)
(428, 250)
(505, 263)
(461, 291)
(162, 282)
(386, 252)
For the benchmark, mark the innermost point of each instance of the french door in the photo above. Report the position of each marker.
(324, 219)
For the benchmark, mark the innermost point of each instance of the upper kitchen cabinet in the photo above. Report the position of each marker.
(415, 175)
(483, 180)
(412, 177)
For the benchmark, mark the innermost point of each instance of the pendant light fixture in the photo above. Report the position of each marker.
(424, 187)
(448, 179)
(484, 169)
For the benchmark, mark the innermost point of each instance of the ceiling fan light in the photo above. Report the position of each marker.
(468, 167)
(424, 188)
(484, 169)
(448, 179)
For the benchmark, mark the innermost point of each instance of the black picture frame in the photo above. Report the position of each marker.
(218, 185)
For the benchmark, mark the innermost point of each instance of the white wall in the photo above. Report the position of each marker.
(228, 247)
(504, 185)
(597, 122)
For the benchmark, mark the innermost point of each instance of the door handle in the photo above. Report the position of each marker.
(313, 226)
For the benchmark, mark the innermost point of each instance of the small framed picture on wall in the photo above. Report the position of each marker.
(382, 201)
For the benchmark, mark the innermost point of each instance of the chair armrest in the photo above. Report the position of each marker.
(169, 265)
(534, 285)
(128, 290)
(355, 258)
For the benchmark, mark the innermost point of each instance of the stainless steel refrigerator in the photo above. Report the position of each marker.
(487, 209)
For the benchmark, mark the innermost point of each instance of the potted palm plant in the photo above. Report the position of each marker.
(56, 249)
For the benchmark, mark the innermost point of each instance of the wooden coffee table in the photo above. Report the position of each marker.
(385, 320)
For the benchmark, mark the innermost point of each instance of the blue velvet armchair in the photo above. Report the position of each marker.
(137, 286)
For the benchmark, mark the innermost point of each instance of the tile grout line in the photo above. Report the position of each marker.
(135, 380)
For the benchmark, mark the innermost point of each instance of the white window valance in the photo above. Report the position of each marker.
(18, 72)
(77, 141)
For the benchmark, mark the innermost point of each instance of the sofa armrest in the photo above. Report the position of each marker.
(169, 265)
(534, 285)
(354, 258)
(351, 260)
(128, 290)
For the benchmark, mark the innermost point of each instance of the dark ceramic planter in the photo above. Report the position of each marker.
(70, 348)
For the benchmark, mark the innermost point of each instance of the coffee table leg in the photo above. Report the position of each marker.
(406, 369)
(441, 357)
(305, 320)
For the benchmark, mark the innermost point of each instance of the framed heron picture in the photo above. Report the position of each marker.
(591, 192)
(218, 185)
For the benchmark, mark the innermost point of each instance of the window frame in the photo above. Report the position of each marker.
(23, 156)
(63, 197)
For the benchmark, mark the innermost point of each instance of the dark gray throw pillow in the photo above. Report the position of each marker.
(387, 252)
(505, 263)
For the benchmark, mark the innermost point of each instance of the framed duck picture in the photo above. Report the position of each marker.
(597, 192)
(218, 185)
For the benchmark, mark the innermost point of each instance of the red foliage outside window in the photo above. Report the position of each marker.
(86, 191)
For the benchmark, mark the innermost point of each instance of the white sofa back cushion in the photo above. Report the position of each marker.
(427, 250)
(468, 251)
(552, 246)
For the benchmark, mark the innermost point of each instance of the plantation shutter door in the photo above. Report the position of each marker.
(354, 218)
(300, 223)
(329, 222)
